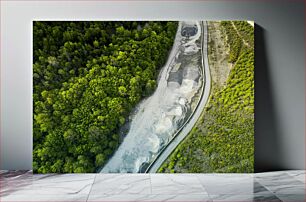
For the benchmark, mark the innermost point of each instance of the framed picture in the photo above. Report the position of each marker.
(143, 96)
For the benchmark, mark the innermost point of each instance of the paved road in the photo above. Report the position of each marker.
(154, 166)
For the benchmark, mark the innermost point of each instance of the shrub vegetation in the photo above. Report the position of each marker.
(222, 140)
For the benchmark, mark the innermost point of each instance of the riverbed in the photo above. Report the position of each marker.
(157, 118)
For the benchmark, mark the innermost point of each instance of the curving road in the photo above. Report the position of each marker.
(187, 127)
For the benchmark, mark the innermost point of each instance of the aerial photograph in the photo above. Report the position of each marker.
(143, 96)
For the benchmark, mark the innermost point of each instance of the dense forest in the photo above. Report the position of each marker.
(87, 77)
(223, 138)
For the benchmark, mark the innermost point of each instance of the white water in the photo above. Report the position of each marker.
(159, 116)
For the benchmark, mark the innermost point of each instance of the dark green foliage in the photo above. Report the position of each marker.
(246, 31)
(87, 77)
(222, 140)
(233, 40)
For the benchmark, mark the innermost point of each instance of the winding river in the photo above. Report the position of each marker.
(157, 118)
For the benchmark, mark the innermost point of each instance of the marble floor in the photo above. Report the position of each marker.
(271, 186)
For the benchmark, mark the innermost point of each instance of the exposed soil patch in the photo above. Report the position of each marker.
(218, 54)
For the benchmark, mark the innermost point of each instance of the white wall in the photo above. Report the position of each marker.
(280, 67)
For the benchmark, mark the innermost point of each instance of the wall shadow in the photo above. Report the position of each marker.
(267, 145)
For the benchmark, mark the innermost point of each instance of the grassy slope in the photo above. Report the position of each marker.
(223, 138)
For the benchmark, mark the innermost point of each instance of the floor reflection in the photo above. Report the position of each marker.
(272, 186)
